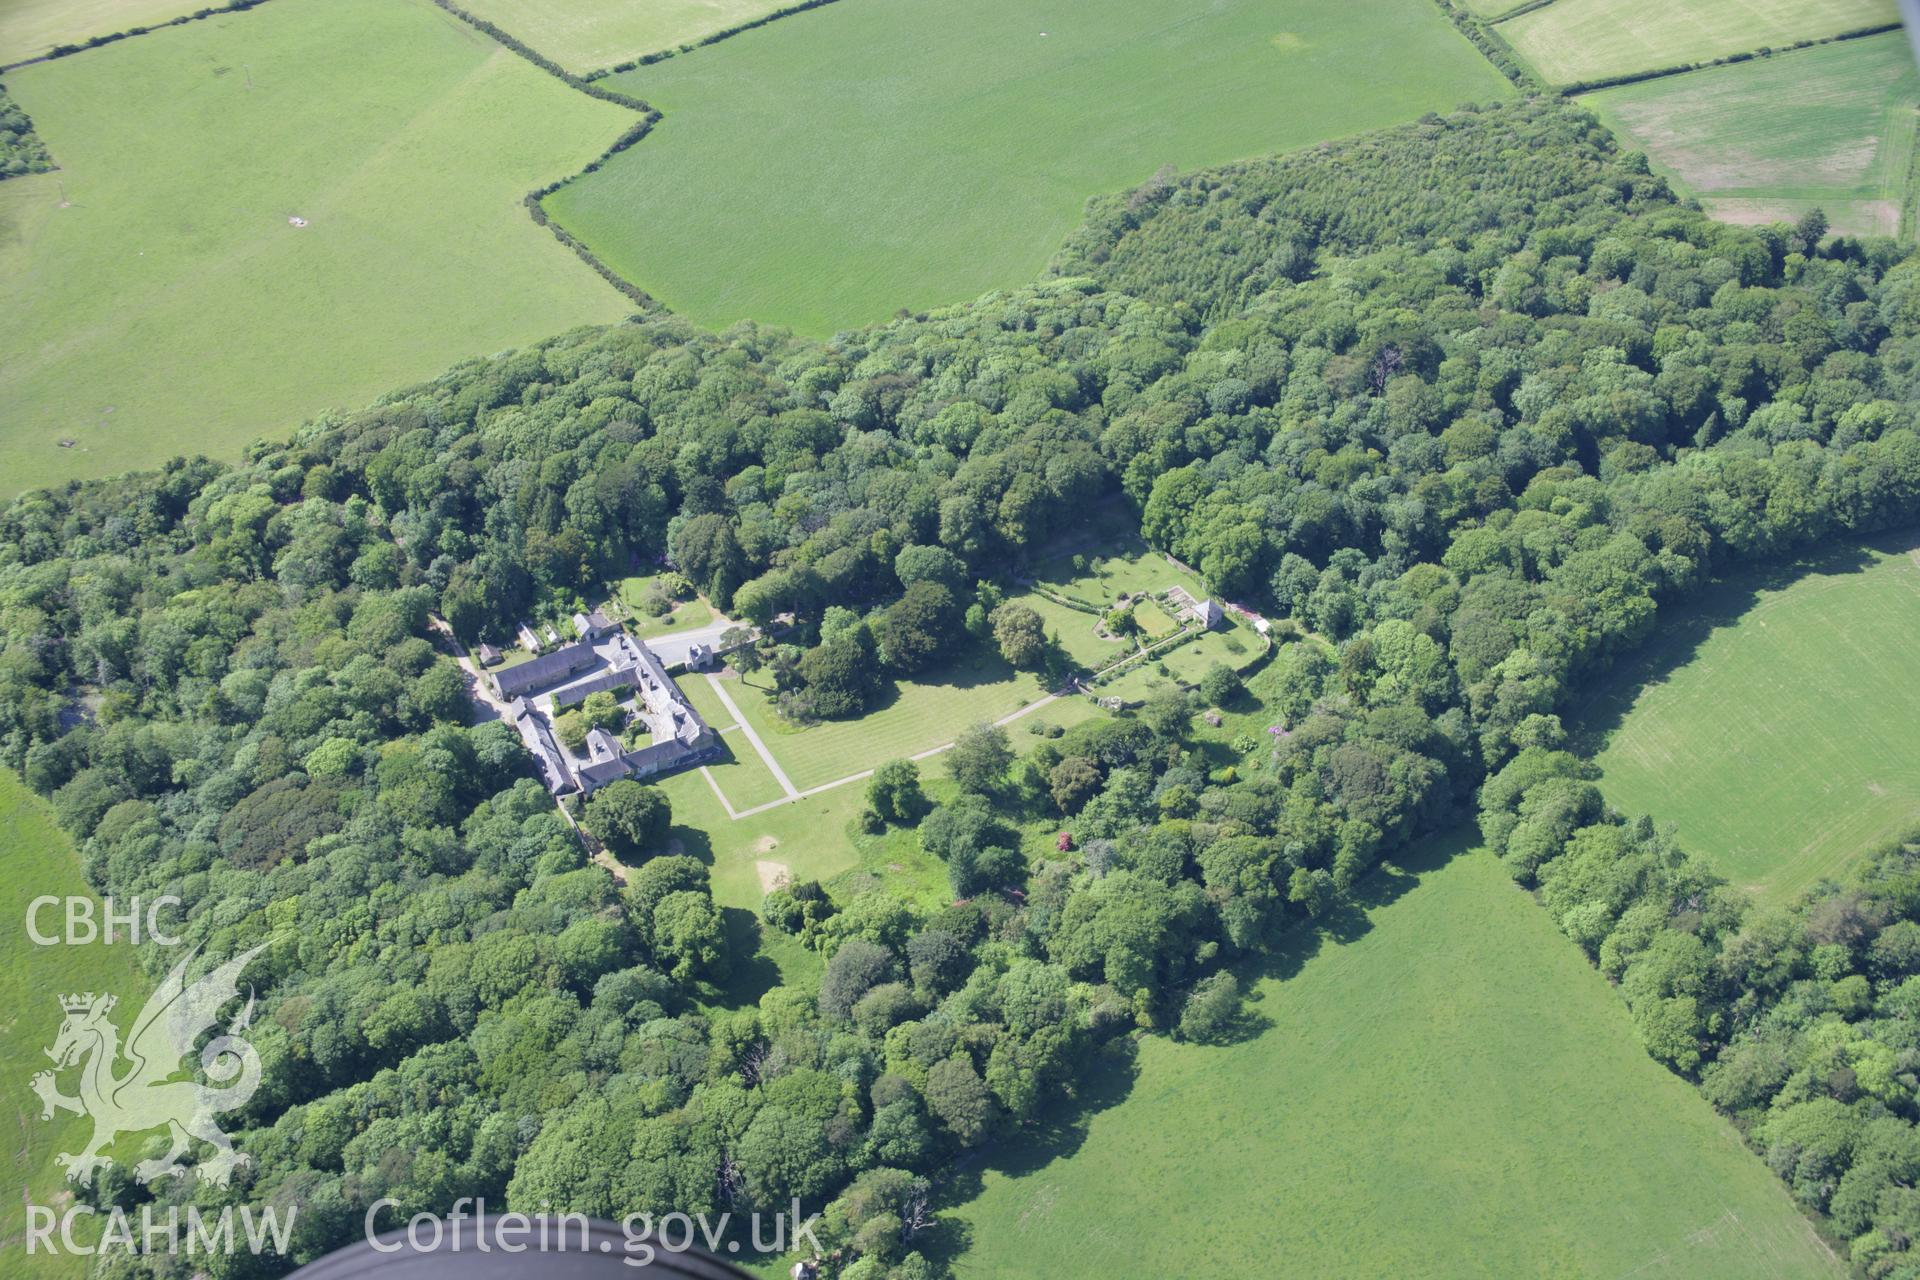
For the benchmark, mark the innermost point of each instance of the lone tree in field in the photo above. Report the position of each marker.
(1021, 635)
(980, 757)
(630, 818)
(980, 851)
(894, 792)
(1220, 685)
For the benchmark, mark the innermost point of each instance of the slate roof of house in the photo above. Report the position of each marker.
(682, 737)
(591, 626)
(538, 735)
(544, 670)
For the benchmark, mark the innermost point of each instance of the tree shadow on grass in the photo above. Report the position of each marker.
(1352, 918)
(977, 665)
(1063, 1128)
(753, 972)
(1246, 1024)
(1057, 1134)
(1682, 629)
(691, 841)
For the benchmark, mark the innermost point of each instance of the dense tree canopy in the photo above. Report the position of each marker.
(1470, 419)
(21, 150)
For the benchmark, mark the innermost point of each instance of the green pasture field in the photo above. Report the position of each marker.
(591, 35)
(1777, 721)
(923, 714)
(40, 860)
(31, 28)
(1767, 139)
(146, 310)
(1440, 1086)
(1572, 41)
(834, 166)
(1490, 9)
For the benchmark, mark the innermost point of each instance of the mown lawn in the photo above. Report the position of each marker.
(1777, 720)
(1154, 621)
(829, 168)
(1103, 573)
(1449, 1090)
(809, 839)
(1075, 632)
(1233, 644)
(1097, 571)
(686, 614)
(700, 693)
(1767, 139)
(159, 311)
(592, 35)
(40, 860)
(1580, 40)
(921, 715)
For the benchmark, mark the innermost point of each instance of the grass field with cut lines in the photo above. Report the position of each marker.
(922, 714)
(1450, 1091)
(1767, 139)
(1572, 41)
(1777, 721)
(830, 168)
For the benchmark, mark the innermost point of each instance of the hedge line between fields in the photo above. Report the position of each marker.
(1680, 68)
(661, 55)
(649, 117)
(94, 42)
(1492, 46)
(1910, 199)
(1528, 7)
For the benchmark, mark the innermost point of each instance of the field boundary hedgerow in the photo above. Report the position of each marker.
(416, 164)
(94, 42)
(649, 116)
(685, 226)
(1525, 6)
(1493, 46)
(1831, 127)
(1575, 87)
(725, 33)
(589, 85)
(1910, 198)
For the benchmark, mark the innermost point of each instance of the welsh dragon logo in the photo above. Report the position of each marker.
(143, 1096)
